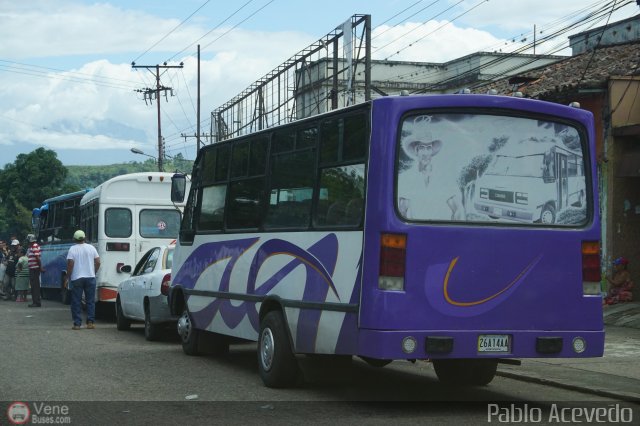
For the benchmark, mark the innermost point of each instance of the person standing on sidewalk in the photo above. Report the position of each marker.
(22, 276)
(35, 269)
(10, 273)
(82, 264)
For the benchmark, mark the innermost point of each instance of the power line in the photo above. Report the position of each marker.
(170, 32)
(598, 44)
(212, 30)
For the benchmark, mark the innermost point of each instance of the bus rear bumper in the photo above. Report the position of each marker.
(107, 294)
(425, 344)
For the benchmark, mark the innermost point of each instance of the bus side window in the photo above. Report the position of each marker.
(212, 208)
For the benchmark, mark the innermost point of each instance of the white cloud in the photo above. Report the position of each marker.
(93, 105)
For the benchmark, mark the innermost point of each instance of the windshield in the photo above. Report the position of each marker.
(526, 166)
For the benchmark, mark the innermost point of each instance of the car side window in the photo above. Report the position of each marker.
(139, 266)
(151, 261)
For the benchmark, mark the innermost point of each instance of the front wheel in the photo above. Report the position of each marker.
(152, 332)
(548, 214)
(188, 335)
(277, 365)
(122, 322)
(465, 372)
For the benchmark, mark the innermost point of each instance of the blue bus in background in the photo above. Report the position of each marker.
(54, 224)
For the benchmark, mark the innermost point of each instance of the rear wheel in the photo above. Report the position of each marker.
(465, 372)
(151, 331)
(122, 322)
(188, 335)
(277, 365)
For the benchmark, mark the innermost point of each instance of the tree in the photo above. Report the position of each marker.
(25, 184)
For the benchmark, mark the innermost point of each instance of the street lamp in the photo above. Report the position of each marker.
(139, 151)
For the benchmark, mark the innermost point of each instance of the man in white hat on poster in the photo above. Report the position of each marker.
(83, 262)
(422, 192)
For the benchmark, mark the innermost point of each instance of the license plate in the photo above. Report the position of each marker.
(494, 343)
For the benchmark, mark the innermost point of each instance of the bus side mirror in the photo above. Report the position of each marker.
(178, 187)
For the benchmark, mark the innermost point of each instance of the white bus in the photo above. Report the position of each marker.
(532, 182)
(123, 218)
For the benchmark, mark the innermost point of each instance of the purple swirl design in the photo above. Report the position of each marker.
(319, 261)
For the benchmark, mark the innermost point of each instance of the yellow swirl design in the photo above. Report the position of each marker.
(452, 265)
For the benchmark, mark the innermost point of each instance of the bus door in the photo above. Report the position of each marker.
(563, 181)
(157, 226)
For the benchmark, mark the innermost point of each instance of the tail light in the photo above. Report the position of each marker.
(393, 249)
(591, 267)
(166, 284)
(118, 246)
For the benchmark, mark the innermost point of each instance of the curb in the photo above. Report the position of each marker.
(583, 389)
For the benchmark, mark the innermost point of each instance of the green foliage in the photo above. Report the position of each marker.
(25, 183)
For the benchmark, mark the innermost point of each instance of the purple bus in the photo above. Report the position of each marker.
(358, 233)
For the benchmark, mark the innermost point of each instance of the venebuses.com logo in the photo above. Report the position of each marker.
(18, 413)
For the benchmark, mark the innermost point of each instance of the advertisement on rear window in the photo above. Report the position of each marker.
(489, 168)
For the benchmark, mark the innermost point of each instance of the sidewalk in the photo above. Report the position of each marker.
(616, 375)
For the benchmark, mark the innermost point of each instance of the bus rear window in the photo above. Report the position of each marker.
(117, 223)
(491, 168)
(159, 223)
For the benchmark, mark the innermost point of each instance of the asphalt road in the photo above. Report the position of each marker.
(105, 376)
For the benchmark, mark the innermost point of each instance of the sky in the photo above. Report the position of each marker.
(67, 83)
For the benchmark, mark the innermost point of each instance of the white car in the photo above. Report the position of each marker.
(143, 296)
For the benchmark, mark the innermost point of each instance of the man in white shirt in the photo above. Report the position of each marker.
(82, 264)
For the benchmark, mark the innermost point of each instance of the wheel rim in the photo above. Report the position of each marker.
(547, 216)
(184, 326)
(266, 349)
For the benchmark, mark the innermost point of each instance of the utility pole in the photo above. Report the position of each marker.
(147, 95)
(198, 118)
(197, 136)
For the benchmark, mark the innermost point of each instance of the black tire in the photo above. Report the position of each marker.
(189, 336)
(376, 362)
(152, 332)
(122, 322)
(465, 372)
(548, 214)
(277, 365)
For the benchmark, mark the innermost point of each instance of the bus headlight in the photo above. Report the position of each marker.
(522, 198)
